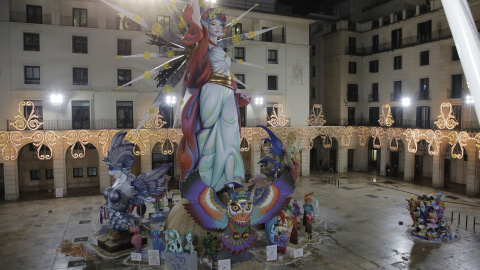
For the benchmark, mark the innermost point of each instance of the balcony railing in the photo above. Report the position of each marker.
(423, 95)
(22, 17)
(273, 38)
(396, 96)
(68, 21)
(372, 98)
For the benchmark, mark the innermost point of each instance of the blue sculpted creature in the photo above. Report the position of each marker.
(128, 190)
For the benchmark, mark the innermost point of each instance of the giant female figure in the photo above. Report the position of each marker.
(211, 132)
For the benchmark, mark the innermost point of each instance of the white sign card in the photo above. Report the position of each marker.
(153, 257)
(297, 253)
(136, 257)
(224, 265)
(59, 192)
(95, 240)
(271, 253)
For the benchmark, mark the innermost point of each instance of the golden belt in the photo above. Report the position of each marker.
(221, 79)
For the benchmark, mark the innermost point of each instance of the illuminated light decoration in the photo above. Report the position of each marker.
(434, 139)
(386, 116)
(167, 139)
(170, 53)
(73, 137)
(157, 29)
(181, 23)
(137, 18)
(393, 135)
(251, 34)
(362, 135)
(459, 139)
(167, 89)
(345, 134)
(446, 120)
(32, 122)
(316, 118)
(277, 120)
(234, 22)
(140, 139)
(240, 61)
(147, 74)
(377, 133)
(412, 137)
(146, 55)
(155, 119)
(236, 39)
(327, 137)
(172, 4)
(246, 136)
(167, 66)
(104, 137)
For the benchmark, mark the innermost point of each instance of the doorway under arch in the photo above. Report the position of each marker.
(164, 155)
(35, 176)
(455, 170)
(82, 173)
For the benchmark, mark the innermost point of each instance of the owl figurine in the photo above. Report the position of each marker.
(241, 211)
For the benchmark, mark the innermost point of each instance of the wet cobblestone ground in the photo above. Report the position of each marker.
(358, 228)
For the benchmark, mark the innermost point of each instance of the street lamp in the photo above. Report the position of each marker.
(170, 100)
(469, 100)
(258, 101)
(406, 102)
(56, 100)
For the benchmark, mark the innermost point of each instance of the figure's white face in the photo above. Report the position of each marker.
(115, 173)
(215, 28)
(189, 237)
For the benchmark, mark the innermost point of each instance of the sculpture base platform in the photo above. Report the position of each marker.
(181, 261)
(121, 244)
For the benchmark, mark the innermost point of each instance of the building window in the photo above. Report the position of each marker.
(397, 91)
(373, 116)
(397, 62)
(352, 67)
(80, 114)
(237, 29)
(272, 82)
(80, 76)
(455, 56)
(374, 43)
(31, 42)
(312, 71)
(424, 85)
(374, 95)
(239, 53)
(80, 17)
(397, 38)
(34, 14)
(49, 174)
(424, 32)
(373, 66)
(124, 46)
(92, 171)
(352, 92)
(312, 92)
(164, 21)
(124, 114)
(272, 57)
(240, 77)
(77, 172)
(457, 112)
(267, 36)
(79, 44)
(351, 116)
(243, 116)
(352, 45)
(424, 58)
(423, 117)
(31, 75)
(35, 175)
(312, 51)
(456, 86)
(124, 76)
(397, 116)
(167, 114)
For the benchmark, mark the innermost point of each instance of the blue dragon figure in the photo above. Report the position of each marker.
(128, 190)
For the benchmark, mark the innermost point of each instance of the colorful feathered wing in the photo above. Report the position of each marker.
(152, 183)
(274, 198)
(204, 206)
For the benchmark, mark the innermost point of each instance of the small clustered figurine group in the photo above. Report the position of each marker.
(175, 242)
(429, 222)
